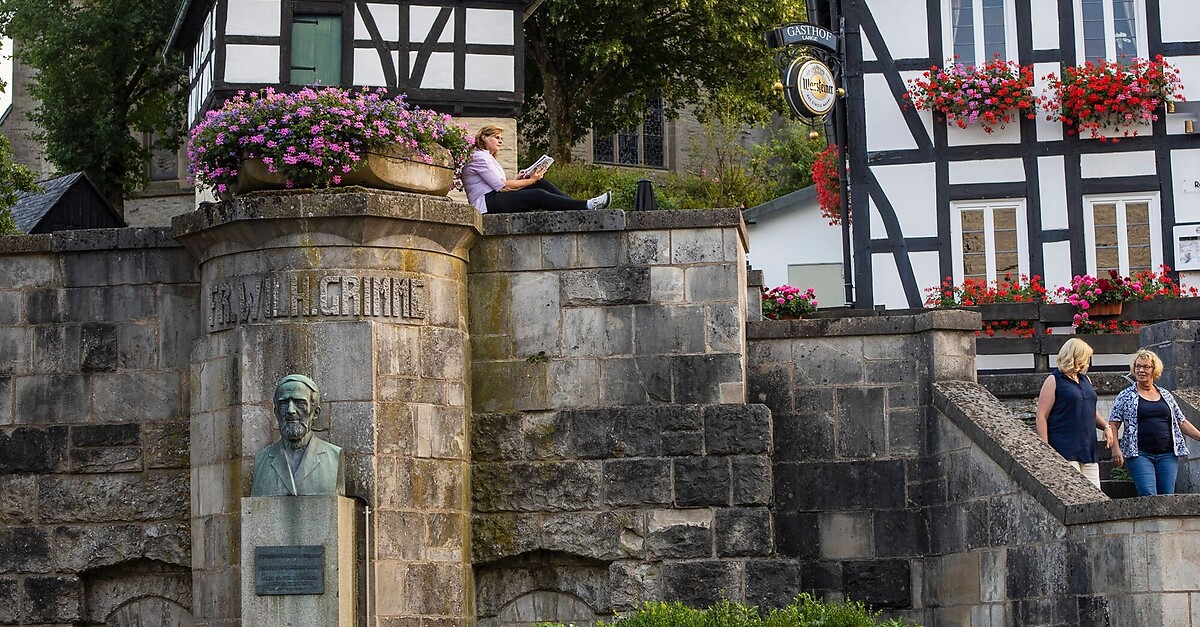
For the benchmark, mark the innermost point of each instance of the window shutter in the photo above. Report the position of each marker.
(316, 50)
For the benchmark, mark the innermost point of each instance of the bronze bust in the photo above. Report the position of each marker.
(299, 463)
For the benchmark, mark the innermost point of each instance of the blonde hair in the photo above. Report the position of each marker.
(488, 130)
(1074, 357)
(1156, 364)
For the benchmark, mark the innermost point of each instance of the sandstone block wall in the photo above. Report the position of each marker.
(95, 332)
(607, 308)
(850, 403)
(616, 506)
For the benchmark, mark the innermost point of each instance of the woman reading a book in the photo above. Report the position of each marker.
(490, 192)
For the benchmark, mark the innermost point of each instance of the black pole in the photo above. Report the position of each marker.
(840, 132)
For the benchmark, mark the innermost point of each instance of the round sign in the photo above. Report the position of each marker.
(812, 91)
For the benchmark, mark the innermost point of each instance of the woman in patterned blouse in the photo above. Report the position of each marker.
(1152, 440)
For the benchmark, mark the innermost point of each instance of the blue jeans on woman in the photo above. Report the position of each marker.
(1153, 473)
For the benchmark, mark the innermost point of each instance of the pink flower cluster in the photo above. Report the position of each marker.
(314, 138)
(786, 301)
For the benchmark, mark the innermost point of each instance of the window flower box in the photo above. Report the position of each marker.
(989, 96)
(1109, 97)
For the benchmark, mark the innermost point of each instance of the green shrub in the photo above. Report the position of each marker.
(805, 611)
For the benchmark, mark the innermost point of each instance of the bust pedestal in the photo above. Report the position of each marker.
(291, 547)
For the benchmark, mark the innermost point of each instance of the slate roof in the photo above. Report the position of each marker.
(31, 207)
(783, 203)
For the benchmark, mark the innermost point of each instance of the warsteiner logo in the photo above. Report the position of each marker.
(814, 82)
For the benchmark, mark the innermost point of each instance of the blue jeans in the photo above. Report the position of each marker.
(1153, 473)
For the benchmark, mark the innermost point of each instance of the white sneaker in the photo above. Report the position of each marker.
(600, 202)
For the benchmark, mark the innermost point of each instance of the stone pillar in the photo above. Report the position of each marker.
(1177, 343)
(365, 292)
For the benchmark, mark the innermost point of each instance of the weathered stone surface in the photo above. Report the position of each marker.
(637, 482)
(167, 444)
(668, 330)
(52, 599)
(862, 428)
(10, 600)
(98, 348)
(52, 399)
(879, 583)
(25, 450)
(699, 583)
(632, 582)
(606, 286)
(737, 429)
(24, 550)
(771, 583)
(18, 498)
(752, 480)
(701, 481)
(113, 399)
(597, 331)
(635, 381)
(16, 349)
(106, 435)
(496, 437)
(546, 486)
(680, 534)
(698, 378)
(6, 401)
(633, 432)
(116, 498)
(798, 534)
(78, 548)
(435, 589)
(743, 532)
(56, 348)
(900, 533)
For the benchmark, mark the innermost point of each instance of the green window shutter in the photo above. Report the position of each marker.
(316, 50)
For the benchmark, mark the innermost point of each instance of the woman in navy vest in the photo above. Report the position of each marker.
(1066, 412)
(1152, 440)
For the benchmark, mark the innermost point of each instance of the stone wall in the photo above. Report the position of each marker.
(969, 519)
(850, 402)
(606, 470)
(607, 308)
(95, 332)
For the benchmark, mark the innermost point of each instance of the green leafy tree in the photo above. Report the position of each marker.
(14, 179)
(100, 78)
(594, 63)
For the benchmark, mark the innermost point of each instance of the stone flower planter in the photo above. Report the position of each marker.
(395, 168)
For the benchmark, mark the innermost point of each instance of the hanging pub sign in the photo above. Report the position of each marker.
(809, 88)
(808, 84)
(802, 34)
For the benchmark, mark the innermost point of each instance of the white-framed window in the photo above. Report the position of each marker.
(1110, 29)
(1122, 233)
(988, 239)
(979, 30)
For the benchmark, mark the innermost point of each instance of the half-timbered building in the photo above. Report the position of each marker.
(463, 57)
(930, 200)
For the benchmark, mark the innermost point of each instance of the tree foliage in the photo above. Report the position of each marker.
(100, 78)
(594, 63)
(14, 179)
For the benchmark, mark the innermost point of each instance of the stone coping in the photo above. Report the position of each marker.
(1037, 468)
(329, 203)
(864, 322)
(89, 239)
(546, 222)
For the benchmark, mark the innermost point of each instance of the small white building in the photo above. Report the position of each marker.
(793, 244)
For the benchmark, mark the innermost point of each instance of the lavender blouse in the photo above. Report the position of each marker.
(482, 175)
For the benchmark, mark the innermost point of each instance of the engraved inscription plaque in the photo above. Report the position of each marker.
(289, 569)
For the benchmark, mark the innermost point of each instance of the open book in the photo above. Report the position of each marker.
(543, 163)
